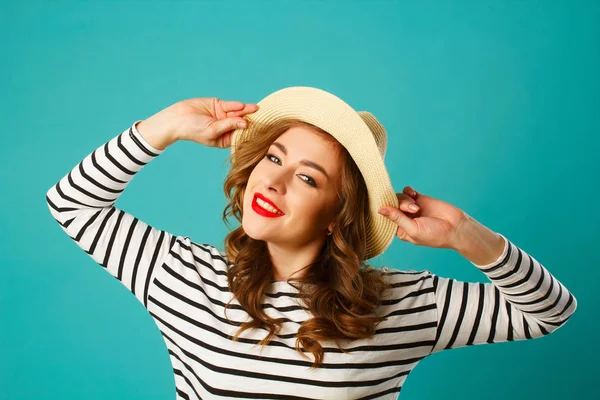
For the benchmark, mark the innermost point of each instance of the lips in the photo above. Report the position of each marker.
(263, 198)
(261, 211)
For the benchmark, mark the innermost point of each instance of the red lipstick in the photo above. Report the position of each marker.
(261, 211)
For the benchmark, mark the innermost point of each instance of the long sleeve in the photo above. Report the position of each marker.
(522, 301)
(82, 202)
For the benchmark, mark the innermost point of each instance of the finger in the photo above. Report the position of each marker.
(248, 109)
(403, 236)
(409, 191)
(410, 206)
(225, 125)
(231, 105)
(225, 140)
(406, 223)
(407, 203)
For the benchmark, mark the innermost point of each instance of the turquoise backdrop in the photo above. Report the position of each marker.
(490, 105)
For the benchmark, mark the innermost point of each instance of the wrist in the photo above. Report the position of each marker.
(156, 132)
(477, 243)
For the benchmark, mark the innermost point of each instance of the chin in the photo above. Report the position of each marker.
(254, 235)
(253, 230)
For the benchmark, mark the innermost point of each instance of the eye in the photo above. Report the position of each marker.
(310, 181)
(271, 156)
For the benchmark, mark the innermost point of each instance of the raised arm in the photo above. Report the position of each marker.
(522, 301)
(82, 202)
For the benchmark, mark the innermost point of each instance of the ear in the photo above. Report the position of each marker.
(330, 227)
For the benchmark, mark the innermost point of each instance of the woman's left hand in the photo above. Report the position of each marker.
(434, 224)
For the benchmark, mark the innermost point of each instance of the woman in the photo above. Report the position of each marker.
(309, 186)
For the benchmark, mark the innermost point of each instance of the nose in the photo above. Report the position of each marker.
(275, 180)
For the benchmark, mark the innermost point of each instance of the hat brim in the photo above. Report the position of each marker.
(336, 117)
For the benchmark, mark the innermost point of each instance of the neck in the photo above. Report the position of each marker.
(288, 261)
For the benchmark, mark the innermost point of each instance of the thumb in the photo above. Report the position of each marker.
(229, 124)
(225, 140)
(400, 219)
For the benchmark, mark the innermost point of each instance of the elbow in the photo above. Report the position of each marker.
(558, 320)
(569, 309)
(51, 205)
(56, 211)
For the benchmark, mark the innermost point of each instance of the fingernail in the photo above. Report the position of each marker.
(413, 207)
(241, 124)
(384, 212)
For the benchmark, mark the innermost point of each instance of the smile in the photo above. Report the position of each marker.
(261, 207)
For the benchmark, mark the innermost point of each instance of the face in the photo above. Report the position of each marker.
(300, 176)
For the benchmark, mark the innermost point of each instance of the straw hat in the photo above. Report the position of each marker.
(358, 131)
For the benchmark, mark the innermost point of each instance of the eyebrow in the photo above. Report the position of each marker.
(304, 161)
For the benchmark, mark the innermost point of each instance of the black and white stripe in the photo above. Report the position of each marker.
(183, 285)
(522, 301)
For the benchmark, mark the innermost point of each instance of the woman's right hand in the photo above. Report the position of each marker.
(208, 121)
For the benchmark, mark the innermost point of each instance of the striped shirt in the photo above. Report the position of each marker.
(183, 285)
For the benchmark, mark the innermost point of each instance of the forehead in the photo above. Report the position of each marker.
(304, 142)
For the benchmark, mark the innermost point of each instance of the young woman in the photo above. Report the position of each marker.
(291, 309)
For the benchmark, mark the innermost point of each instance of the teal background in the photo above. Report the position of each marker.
(491, 106)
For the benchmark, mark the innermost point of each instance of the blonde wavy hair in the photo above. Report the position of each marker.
(343, 291)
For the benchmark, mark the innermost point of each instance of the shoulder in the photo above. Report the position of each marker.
(201, 254)
(409, 295)
(393, 274)
(407, 279)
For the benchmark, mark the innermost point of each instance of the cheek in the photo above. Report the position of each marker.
(329, 209)
(254, 177)
(250, 183)
(308, 211)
